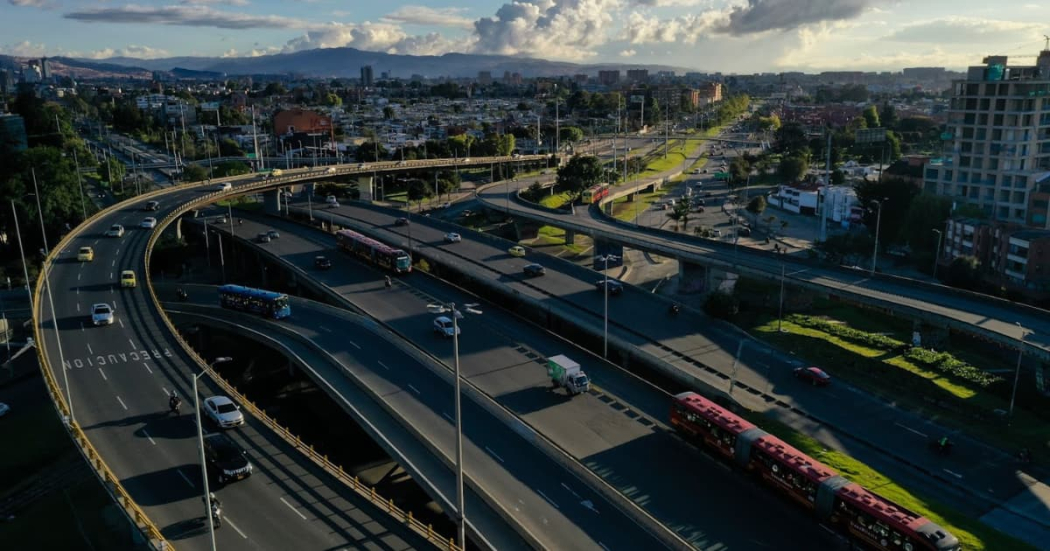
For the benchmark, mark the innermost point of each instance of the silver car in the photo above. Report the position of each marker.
(102, 314)
(223, 412)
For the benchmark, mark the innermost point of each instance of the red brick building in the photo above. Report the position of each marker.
(301, 121)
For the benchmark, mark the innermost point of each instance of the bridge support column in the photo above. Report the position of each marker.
(693, 278)
(570, 237)
(271, 202)
(366, 185)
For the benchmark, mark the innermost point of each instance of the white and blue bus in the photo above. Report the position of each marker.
(265, 303)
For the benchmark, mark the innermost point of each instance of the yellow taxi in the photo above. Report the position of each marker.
(516, 250)
(127, 279)
(85, 254)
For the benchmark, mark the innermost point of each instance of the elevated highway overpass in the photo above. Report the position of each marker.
(940, 306)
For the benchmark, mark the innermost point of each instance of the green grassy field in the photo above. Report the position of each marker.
(555, 201)
(628, 211)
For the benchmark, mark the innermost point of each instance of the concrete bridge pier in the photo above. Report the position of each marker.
(366, 185)
(693, 278)
(271, 202)
(570, 237)
(603, 248)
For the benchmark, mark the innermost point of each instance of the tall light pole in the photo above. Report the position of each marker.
(80, 181)
(937, 255)
(605, 341)
(557, 120)
(1017, 371)
(878, 223)
(456, 314)
(25, 266)
(780, 315)
(200, 444)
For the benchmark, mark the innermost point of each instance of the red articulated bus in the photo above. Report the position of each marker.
(364, 247)
(594, 194)
(865, 516)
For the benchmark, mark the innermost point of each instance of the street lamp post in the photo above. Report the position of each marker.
(1017, 371)
(878, 224)
(200, 444)
(456, 314)
(605, 342)
(780, 315)
(937, 255)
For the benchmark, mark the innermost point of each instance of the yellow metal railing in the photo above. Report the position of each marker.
(368, 492)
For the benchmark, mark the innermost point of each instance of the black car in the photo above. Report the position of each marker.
(152, 205)
(322, 262)
(225, 459)
(534, 270)
(401, 221)
(615, 287)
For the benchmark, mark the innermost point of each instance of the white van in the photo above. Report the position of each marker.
(226, 186)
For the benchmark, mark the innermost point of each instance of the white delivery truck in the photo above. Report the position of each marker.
(567, 373)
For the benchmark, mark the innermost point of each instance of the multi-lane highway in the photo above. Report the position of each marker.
(119, 377)
(869, 429)
(618, 432)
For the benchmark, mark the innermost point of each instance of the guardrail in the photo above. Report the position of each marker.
(321, 460)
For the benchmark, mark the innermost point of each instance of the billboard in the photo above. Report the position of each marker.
(871, 135)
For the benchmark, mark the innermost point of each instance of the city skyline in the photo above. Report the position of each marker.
(709, 35)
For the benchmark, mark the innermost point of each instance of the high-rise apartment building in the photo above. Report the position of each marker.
(608, 78)
(12, 133)
(997, 141)
(638, 75)
(367, 76)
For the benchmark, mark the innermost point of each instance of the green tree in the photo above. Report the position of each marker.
(194, 173)
(570, 134)
(793, 168)
(231, 168)
(721, 305)
(229, 148)
(59, 193)
(370, 152)
(580, 173)
(113, 171)
(757, 206)
(332, 99)
(926, 213)
(791, 138)
(888, 115)
(838, 177)
(388, 112)
(419, 190)
(739, 170)
(274, 89)
(680, 213)
(871, 117)
(895, 195)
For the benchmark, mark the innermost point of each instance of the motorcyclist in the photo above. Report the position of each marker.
(174, 402)
(181, 294)
(675, 308)
(944, 444)
(387, 282)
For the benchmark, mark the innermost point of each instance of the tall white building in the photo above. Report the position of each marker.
(997, 141)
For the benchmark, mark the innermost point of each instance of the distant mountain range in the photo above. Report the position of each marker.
(343, 63)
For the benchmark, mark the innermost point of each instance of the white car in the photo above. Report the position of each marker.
(331, 200)
(443, 326)
(224, 187)
(102, 314)
(149, 222)
(223, 412)
(116, 230)
(453, 237)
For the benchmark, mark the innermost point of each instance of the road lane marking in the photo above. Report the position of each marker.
(121, 322)
(188, 481)
(234, 526)
(122, 403)
(563, 485)
(603, 546)
(302, 516)
(90, 351)
(147, 368)
(909, 429)
(113, 264)
(133, 347)
(384, 365)
(498, 457)
(449, 417)
(78, 308)
(551, 501)
(78, 279)
(956, 475)
(413, 389)
(150, 438)
(355, 344)
(103, 373)
(325, 329)
(82, 326)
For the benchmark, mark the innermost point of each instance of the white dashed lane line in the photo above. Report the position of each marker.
(292, 507)
(122, 403)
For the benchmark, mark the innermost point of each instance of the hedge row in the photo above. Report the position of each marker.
(842, 331)
(943, 361)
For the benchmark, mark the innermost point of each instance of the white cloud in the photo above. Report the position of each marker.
(29, 3)
(25, 48)
(204, 2)
(438, 17)
(628, 53)
(640, 29)
(380, 37)
(140, 52)
(557, 29)
(967, 30)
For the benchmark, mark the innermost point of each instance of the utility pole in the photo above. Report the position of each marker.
(824, 196)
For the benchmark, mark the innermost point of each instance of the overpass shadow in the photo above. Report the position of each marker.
(532, 399)
(172, 480)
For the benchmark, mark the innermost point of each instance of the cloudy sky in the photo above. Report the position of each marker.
(740, 36)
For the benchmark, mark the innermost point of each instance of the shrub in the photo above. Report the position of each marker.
(722, 305)
(945, 362)
(845, 332)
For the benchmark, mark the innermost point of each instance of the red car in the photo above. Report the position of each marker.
(815, 375)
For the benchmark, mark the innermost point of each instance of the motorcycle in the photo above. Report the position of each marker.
(181, 295)
(216, 515)
(174, 406)
(675, 309)
(942, 448)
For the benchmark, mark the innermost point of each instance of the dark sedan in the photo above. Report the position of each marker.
(322, 262)
(615, 287)
(534, 270)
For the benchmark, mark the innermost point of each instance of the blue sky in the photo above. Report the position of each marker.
(739, 36)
